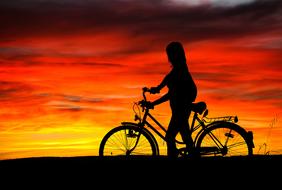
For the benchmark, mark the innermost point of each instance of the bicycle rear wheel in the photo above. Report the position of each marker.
(225, 139)
(128, 141)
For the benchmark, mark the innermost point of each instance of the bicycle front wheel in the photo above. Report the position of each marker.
(224, 139)
(127, 141)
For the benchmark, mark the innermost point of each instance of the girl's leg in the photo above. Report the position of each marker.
(185, 130)
(186, 133)
(170, 137)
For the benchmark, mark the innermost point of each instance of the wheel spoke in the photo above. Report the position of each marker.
(228, 137)
(236, 144)
(127, 140)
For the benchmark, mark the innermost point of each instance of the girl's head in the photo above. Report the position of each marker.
(176, 54)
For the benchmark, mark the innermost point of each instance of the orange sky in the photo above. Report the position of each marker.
(64, 84)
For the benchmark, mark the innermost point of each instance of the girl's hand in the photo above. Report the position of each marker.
(147, 104)
(154, 90)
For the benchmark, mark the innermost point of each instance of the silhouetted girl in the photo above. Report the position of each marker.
(182, 92)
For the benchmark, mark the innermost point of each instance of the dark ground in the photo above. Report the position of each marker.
(137, 172)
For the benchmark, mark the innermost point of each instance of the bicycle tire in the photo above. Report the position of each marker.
(121, 139)
(234, 138)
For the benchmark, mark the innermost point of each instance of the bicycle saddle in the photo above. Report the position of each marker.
(199, 107)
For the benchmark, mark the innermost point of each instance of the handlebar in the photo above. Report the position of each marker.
(143, 102)
(145, 89)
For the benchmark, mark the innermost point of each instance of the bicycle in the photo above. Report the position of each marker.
(219, 136)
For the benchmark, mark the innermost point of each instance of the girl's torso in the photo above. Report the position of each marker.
(182, 88)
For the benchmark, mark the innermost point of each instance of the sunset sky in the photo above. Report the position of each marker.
(70, 70)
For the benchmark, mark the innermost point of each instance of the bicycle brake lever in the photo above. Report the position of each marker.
(142, 105)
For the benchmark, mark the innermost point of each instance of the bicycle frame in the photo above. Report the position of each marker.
(143, 122)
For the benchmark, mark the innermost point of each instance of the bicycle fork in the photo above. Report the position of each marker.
(131, 134)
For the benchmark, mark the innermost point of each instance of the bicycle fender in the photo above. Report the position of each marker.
(251, 137)
(130, 124)
(226, 123)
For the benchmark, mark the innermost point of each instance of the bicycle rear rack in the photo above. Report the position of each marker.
(233, 119)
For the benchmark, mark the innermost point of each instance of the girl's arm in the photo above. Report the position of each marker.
(161, 99)
(157, 89)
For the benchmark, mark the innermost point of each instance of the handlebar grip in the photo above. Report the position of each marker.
(146, 89)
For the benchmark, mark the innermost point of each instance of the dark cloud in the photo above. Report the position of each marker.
(76, 106)
(68, 102)
(269, 94)
(218, 77)
(274, 81)
(96, 64)
(16, 56)
(258, 95)
(11, 54)
(75, 98)
(68, 107)
(14, 90)
(155, 20)
(146, 68)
